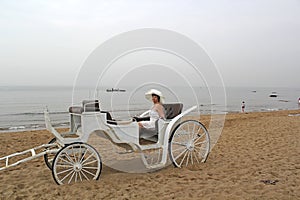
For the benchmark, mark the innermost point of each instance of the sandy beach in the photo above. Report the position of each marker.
(256, 157)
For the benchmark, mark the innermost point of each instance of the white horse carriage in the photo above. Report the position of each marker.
(72, 158)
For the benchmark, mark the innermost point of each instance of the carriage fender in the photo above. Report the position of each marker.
(173, 122)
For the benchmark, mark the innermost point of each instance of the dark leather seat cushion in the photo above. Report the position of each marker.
(91, 105)
(76, 109)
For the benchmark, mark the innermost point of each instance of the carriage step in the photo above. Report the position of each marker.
(126, 152)
(155, 166)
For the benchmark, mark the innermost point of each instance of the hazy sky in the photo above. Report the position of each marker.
(253, 42)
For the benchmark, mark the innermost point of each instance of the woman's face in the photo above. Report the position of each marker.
(154, 99)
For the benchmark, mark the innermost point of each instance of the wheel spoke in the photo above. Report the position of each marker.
(187, 160)
(90, 167)
(180, 154)
(80, 153)
(61, 172)
(66, 176)
(196, 157)
(89, 172)
(65, 161)
(179, 143)
(80, 176)
(180, 133)
(84, 164)
(203, 142)
(83, 156)
(75, 160)
(197, 133)
(84, 175)
(192, 157)
(192, 133)
(183, 158)
(65, 166)
(196, 139)
(88, 158)
(71, 177)
(76, 176)
(69, 158)
(199, 149)
(199, 152)
(179, 148)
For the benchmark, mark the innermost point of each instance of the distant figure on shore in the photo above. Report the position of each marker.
(243, 106)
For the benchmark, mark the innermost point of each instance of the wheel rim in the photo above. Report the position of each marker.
(49, 157)
(189, 144)
(75, 163)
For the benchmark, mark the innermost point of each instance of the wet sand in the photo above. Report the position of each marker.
(256, 157)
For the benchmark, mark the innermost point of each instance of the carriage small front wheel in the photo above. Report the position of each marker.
(189, 143)
(76, 162)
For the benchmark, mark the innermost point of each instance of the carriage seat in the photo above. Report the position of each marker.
(171, 110)
(87, 106)
(91, 106)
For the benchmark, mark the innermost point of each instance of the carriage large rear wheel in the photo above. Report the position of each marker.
(189, 144)
(76, 162)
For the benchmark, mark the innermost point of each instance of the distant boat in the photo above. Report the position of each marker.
(273, 94)
(115, 90)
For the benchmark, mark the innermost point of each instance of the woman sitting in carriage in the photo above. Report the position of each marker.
(157, 111)
(147, 124)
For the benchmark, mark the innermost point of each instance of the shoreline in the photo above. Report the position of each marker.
(60, 126)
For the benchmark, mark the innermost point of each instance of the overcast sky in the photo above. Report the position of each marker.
(252, 42)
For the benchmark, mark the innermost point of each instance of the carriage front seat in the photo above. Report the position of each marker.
(87, 106)
(91, 106)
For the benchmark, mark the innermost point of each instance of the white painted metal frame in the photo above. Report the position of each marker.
(94, 121)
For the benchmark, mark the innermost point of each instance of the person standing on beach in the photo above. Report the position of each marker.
(243, 106)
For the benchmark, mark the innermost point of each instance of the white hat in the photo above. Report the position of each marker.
(148, 95)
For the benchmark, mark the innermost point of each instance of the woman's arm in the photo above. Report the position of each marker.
(160, 110)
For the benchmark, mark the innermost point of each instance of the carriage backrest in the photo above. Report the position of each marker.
(172, 110)
(91, 105)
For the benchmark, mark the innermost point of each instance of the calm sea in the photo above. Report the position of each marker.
(21, 108)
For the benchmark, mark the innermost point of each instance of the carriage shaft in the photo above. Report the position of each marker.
(35, 152)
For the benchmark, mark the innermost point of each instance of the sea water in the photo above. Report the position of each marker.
(22, 108)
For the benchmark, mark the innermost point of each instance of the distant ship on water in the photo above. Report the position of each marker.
(273, 94)
(115, 90)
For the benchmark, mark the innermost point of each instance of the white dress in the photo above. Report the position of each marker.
(153, 117)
